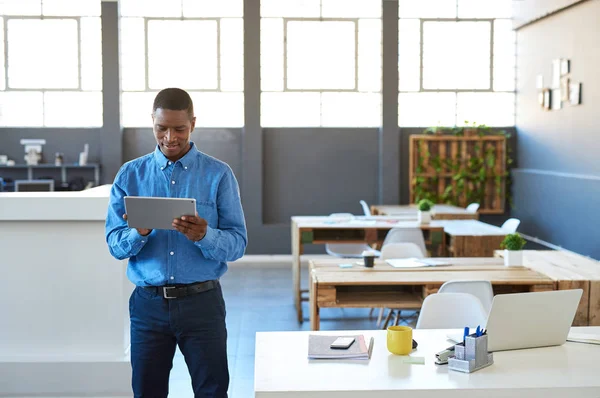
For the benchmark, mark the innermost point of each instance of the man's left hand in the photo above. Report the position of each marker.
(193, 227)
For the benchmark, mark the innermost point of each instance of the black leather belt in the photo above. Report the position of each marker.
(177, 291)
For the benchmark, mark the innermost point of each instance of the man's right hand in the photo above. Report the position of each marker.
(141, 231)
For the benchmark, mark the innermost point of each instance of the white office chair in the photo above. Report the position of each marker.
(511, 225)
(347, 250)
(401, 250)
(451, 311)
(403, 235)
(478, 288)
(473, 207)
(365, 208)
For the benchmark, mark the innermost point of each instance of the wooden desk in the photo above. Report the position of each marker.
(387, 287)
(439, 212)
(282, 370)
(570, 271)
(370, 230)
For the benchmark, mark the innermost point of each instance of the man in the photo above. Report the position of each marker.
(178, 298)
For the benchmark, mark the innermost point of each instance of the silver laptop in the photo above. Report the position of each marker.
(528, 320)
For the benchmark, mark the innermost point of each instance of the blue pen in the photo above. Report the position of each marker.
(465, 334)
(478, 331)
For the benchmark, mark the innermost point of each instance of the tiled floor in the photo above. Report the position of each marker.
(259, 298)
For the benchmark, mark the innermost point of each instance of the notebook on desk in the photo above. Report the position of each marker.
(319, 348)
(413, 262)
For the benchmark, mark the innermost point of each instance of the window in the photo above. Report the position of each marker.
(320, 63)
(196, 45)
(37, 76)
(457, 63)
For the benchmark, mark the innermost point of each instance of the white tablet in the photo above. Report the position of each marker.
(157, 213)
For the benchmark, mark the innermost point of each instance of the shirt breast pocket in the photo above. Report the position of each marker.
(208, 211)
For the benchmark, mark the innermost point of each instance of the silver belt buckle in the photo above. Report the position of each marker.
(165, 288)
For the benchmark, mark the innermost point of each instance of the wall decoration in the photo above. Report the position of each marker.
(555, 99)
(541, 98)
(556, 73)
(575, 93)
(539, 82)
(564, 88)
(565, 67)
(547, 98)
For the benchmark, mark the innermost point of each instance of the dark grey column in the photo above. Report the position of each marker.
(111, 140)
(252, 150)
(389, 142)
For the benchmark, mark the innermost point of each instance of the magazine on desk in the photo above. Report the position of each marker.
(319, 348)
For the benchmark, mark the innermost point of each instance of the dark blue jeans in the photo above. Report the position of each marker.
(196, 323)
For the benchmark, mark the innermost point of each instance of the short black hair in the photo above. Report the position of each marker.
(174, 99)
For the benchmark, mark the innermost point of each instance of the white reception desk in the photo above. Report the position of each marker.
(64, 299)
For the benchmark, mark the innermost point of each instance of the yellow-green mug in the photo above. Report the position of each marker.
(399, 340)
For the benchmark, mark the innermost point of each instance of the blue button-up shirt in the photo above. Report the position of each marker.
(167, 256)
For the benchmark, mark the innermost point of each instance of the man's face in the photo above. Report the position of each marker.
(173, 130)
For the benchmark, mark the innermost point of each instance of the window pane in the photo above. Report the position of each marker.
(321, 55)
(351, 9)
(232, 54)
(136, 109)
(20, 7)
(2, 70)
(21, 109)
(132, 54)
(290, 109)
(271, 54)
(504, 55)
(91, 54)
(484, 8)
(189, 63)
(426, 109)
(34, 59)
(150, 8)
(218, 109)
(71, 8)
(351, 110)
(409, 50)
(456, 55)
(427, 8)
(83, 109)
(213, 8)
(290, 8)
(492, 109)
(369, 55)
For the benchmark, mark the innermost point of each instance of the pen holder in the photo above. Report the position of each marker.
(471, 356)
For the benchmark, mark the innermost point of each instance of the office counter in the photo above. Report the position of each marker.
(64, 298)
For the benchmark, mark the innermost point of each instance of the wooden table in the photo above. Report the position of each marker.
(370, 230)
(387, 287)
(570, 271)
(472, 238)
(282, 370)
(439, 212)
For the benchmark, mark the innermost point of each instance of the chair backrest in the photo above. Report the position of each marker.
(473, 207)
(365, 208)
(511, 225)
(478, 288)
(401, 250)
(451, 311)
(404, 235)
(346, 250)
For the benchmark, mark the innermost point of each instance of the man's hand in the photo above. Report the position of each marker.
(141, 231)
(193, 227)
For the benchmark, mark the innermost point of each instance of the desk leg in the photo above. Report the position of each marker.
(296, 243)
(315, 318)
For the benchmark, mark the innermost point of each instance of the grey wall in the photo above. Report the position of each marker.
(558, 181)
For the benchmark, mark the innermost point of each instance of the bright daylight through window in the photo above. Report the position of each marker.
(50, 55)
(196, 45)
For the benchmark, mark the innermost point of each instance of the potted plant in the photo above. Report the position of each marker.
(425, 206)
(513, 249)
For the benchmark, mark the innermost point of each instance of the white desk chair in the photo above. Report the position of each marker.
(511, 225)
(401, 250)
(403, 235)
(365, 208)
(347, 250)
(451, 311)
(473, 207)
(478, 288)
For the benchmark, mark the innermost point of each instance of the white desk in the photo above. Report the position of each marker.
(283, 370)
(63, 300)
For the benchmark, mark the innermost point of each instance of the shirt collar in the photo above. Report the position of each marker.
(186, 161)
